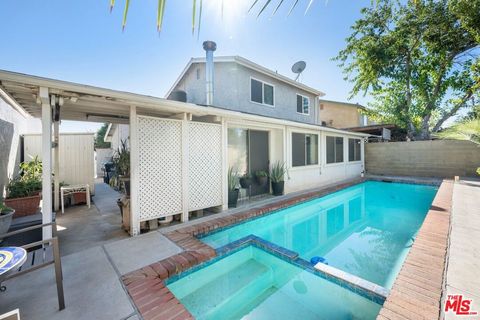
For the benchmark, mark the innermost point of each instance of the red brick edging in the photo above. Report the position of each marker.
(146, 286)
(417, 291)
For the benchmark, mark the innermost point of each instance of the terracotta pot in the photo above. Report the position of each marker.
(25, 206)
(79, 197)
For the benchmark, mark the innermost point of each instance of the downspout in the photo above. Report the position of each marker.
(209, 47)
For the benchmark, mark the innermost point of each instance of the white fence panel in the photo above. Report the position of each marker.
(160, 167)
(204, 165)
(76, 157)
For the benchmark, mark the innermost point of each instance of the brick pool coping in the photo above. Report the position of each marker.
(417, 290)
(147, 287)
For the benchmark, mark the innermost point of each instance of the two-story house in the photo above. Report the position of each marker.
(242, 85)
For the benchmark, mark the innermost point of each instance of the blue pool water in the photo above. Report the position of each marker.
(366, 229)
(253, 284)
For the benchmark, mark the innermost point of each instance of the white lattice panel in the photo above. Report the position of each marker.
(205, 165)
(159, 167)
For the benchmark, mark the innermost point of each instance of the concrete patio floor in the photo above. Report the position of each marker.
(464, 251)
(92, 285)
(80, 228)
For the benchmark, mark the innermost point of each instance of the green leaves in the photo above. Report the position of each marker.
(416, 59)
(125, 13)
(160, 13)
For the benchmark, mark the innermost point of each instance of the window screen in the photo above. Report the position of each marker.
(304, 149)
(256, 91)
(354, 149)
(334, 149)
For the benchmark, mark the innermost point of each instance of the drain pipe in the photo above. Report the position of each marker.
(209, 47)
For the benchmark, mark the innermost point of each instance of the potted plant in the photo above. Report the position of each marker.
(6, 214)
(232, 188)
(246, 181)
(23, 192)
(24, 196)
(262, 177)
(277, 176)
(121, 161)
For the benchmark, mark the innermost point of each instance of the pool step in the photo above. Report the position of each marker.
(244, 300)
(222, 289)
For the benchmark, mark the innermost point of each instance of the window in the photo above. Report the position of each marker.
(261, 92)
(303, 104)
(304, 149)
(334, 149)
(354, 149)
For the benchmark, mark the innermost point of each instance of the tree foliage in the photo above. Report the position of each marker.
(99, 137)
(418, 59)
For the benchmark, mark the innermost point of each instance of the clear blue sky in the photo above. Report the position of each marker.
(81, 41)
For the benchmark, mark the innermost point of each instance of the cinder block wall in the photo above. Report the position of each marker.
(438, 158)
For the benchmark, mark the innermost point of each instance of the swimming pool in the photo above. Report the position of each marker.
(366, 229)
(254, 284)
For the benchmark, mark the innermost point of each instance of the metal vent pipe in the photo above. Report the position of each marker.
(209, 47)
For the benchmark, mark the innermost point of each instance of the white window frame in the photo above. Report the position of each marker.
(344, 152)
(289, 148)
(263, 93)
(309, 104)
(318, 149)
(348, 149)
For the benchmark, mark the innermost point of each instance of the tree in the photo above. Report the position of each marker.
(419, 60)
(99, 137)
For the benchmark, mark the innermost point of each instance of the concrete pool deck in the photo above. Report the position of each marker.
(93, 278)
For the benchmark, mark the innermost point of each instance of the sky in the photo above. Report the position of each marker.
(82, 41)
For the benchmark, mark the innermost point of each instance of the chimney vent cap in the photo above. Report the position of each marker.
(209, 46)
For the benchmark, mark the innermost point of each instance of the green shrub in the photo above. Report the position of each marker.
(20, 188)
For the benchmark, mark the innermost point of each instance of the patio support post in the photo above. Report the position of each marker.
(134, 187)
(224, 164)
(46, 161)
(56, 168)
(185, 162)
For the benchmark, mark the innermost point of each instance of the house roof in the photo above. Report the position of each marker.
(251, 65)
(95, 104)
(346, 104)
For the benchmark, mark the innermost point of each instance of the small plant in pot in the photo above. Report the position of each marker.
(246, 181)
(232, 188)
(277, 176)
(121, 162)
(262, 177)
(6, 214)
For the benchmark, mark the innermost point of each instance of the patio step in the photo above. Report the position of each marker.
(242, 284)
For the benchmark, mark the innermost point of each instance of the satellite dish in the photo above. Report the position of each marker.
(298, 68)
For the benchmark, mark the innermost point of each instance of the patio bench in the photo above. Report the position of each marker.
(40, 254)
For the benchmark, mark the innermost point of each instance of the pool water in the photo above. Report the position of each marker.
(253, 284)
(366, 230)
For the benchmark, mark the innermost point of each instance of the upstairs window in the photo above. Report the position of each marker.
(304, 149)
(354, 149)
(334, 149)
(303, 104)
(262, 92)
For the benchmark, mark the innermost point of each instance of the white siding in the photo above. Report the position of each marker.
(77, 158)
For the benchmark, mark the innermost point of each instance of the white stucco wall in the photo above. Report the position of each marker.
(12, 126)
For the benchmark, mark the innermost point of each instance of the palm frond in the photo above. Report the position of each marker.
(293, 7)
(278, 6)
(308, 7)
(194, 13)
(253, 5)
(160, 13)
(264, 7)
(125, 13)
(469, 130)
(199, 18)
(112, 3)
